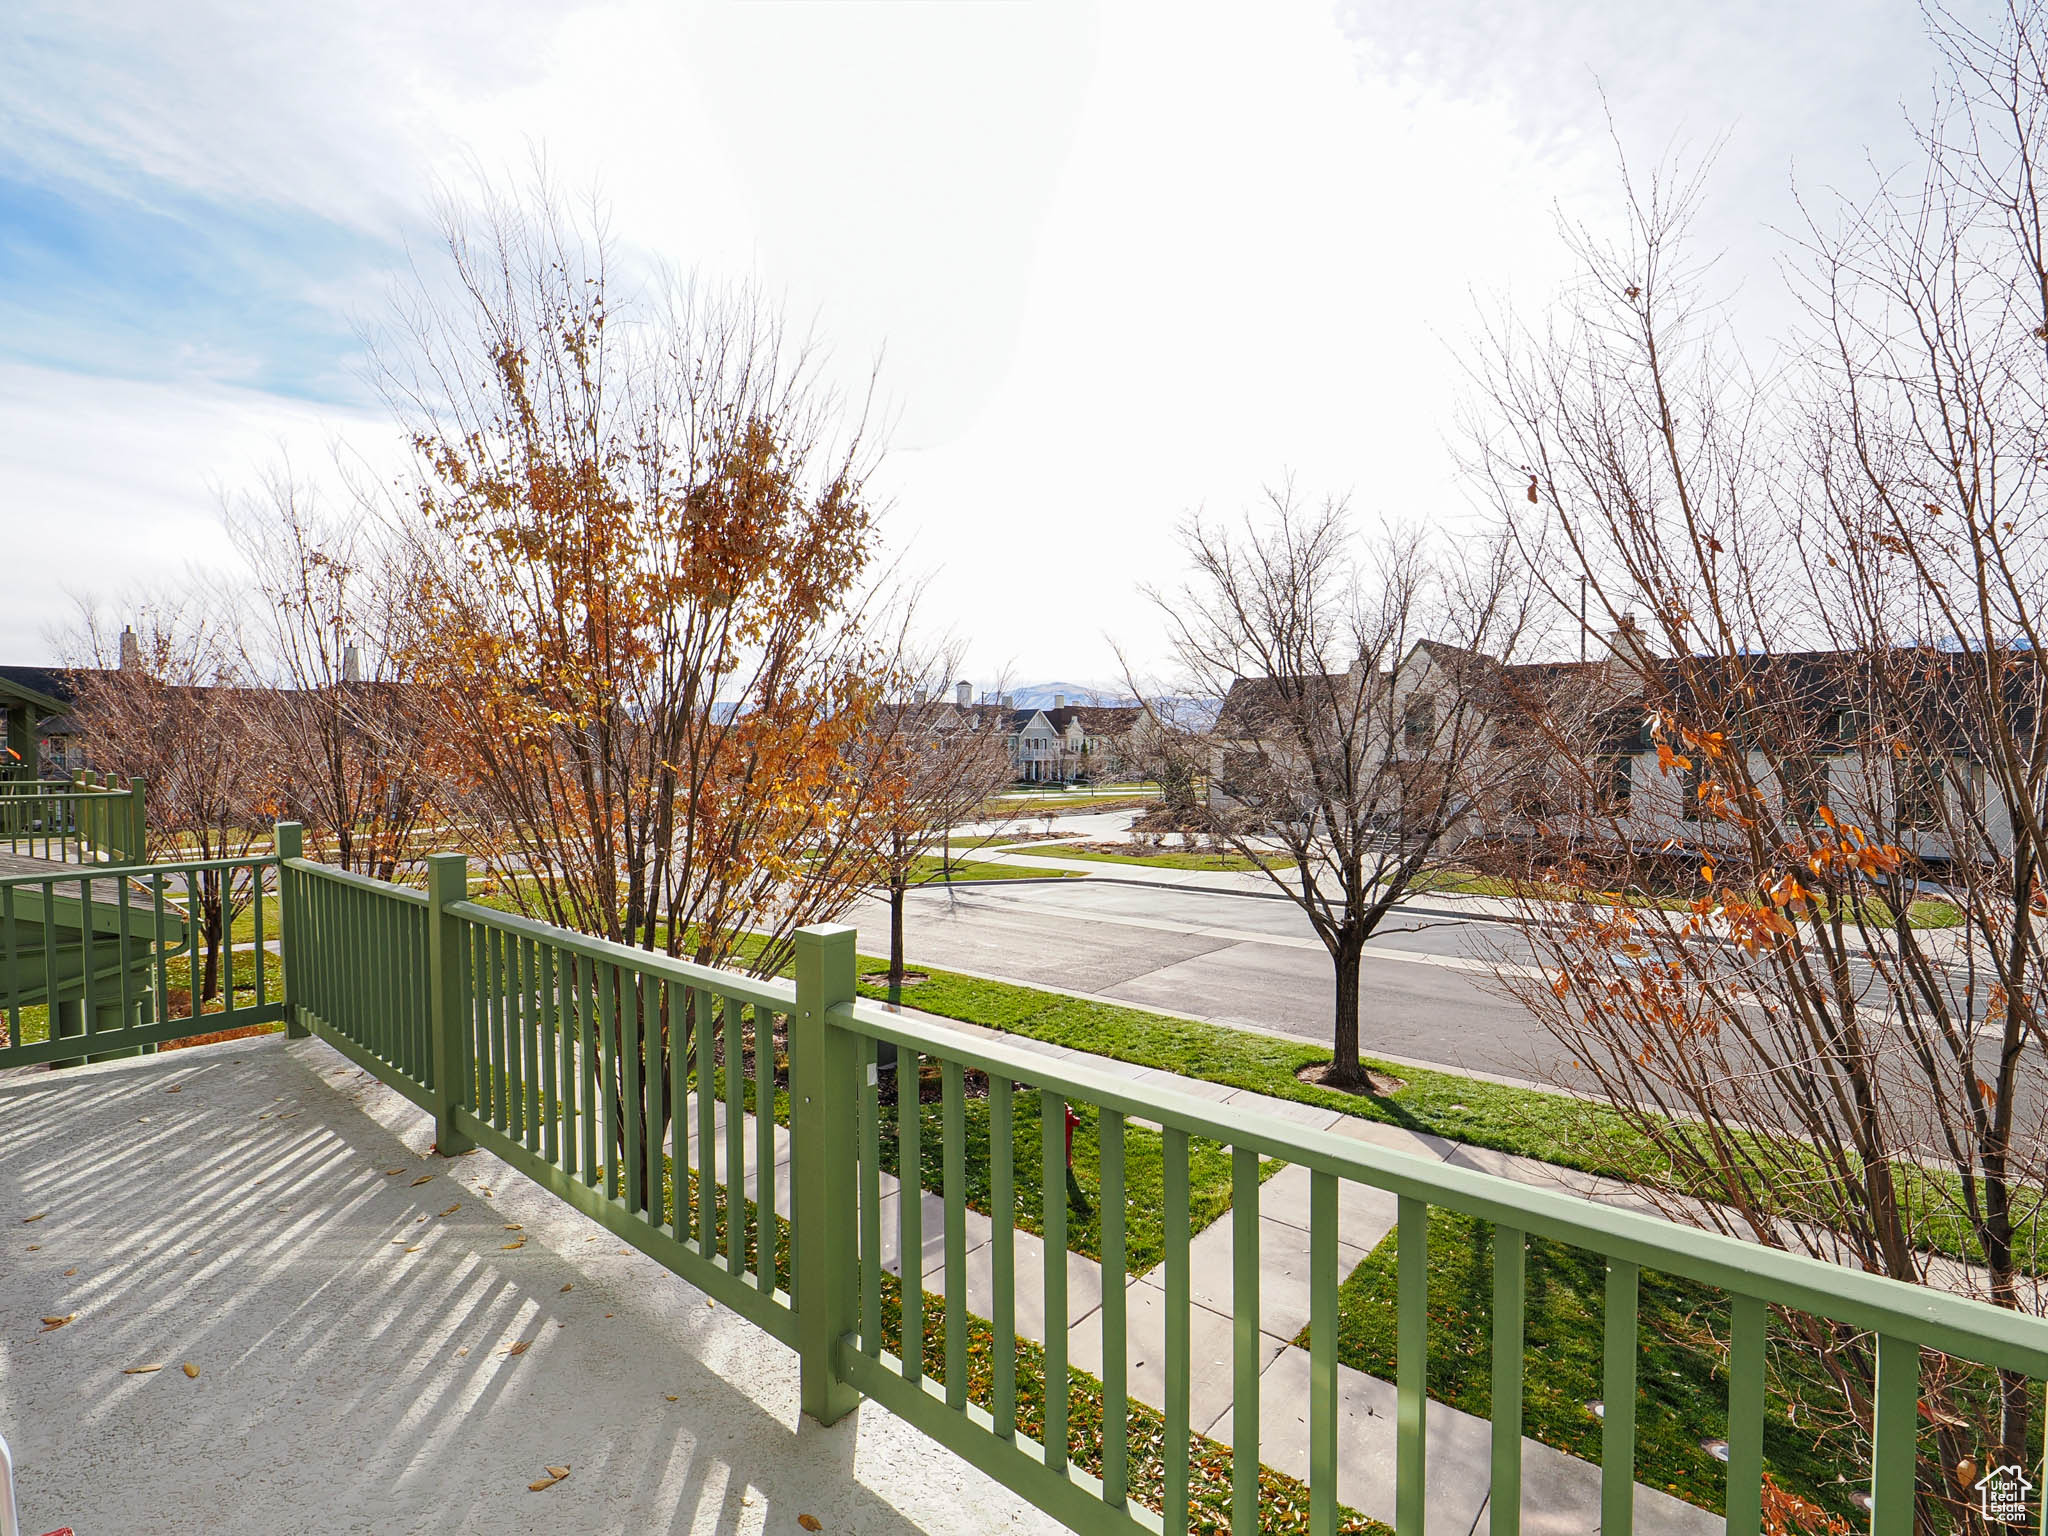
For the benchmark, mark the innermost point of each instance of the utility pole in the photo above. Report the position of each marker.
(1582, 618)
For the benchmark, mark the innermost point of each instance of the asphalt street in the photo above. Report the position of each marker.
(1429, 992)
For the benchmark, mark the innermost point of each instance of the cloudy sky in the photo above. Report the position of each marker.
(1117, 261)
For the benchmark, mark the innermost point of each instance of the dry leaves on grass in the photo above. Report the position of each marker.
(52, 1324)
(555, 1475)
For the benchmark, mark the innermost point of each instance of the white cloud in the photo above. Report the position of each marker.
(1122, 260)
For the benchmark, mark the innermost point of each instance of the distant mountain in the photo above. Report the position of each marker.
(1041, 695)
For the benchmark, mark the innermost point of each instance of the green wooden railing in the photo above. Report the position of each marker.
(81, 821)
(90, 959)
(547, 1048)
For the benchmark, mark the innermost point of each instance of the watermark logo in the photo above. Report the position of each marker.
(2002, 1495)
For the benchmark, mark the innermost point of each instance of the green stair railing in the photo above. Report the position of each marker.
(85, 821)
(588, 1066)
(100, 961)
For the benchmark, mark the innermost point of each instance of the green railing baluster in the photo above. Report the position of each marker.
(1322, 1364)
(1894, 1438)
(1245, 1351)
(910, 1212)
(523, 1069)
(1179, 1304)
(1510, 1264)
(1052, 1194)
(126, 953)
(681, 1213)
(707, 1123)
(588, 1065)
(91, 1007)
(612, 1065)
(633, 1094)
(953, 1138)
(1745, 1416)
(1411, 1362)
(1618, 1402)
(501, 1053)
(764, 1150)
(483, 1075)
(10, 948)
(868, 1126)
(735, 1138)
(1002, 1145)
(1116, 1369)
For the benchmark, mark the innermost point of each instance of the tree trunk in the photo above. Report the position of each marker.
(896, 941)
(1345, 1070)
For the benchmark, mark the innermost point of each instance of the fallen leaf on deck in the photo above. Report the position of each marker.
(39, 1215)
(391, 1172)
(71, 1271)
(415, 1248)
(513, 1226)
(451, 1209)
(558, 1471)
(810, 1522)
(52, 1324)
(508, 1246)
(520, 1348)
(422, 1179)
(570, 1286)
(32, 1247)
(543, 1485)
(174, 1088)
(143, 1370)
(671, 1397)
(191, 1370)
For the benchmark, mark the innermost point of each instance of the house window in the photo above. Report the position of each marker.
(1919, 794)
(1419, 724)
(1619, 786)
(1698, 782)
(1805, 781)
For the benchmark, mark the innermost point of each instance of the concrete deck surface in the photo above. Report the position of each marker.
(235, 1206)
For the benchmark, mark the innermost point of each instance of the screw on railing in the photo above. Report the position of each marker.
(290, 838)
(824, 1091)
(448, 883)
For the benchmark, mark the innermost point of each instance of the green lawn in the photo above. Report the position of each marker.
(1928, 912)
(931, 870)
(1165, 858)
(1682, 1384)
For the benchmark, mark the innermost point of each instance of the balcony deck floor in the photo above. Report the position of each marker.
(234, 1206)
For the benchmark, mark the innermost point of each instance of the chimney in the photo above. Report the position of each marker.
(1059, 701)
(962, 694)
(1629, 643)
(1009, 701)
(131, 649)
(351, 664)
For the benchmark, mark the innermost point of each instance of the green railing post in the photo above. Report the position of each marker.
(290, 839)
(137, 851)
(825, 1085)
(447, 970)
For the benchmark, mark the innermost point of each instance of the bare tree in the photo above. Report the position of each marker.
(1354, 741)
(343, 723)
(1814, 984)
(926, 764)
(174, 712)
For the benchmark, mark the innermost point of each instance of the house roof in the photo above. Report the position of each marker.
(42, 689)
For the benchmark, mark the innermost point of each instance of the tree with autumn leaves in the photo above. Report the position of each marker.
(639, 537)
(1805, 964)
